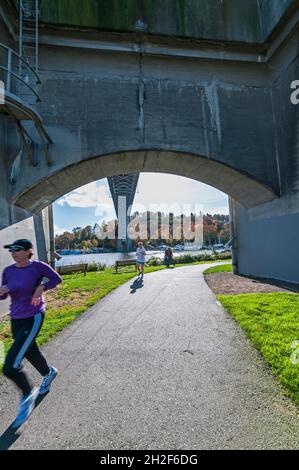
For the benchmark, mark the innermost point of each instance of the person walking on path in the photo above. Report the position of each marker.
(23, 282)
(168, 257)
(140, 258)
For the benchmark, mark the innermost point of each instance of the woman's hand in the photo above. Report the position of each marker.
(3, 291)
(37, 296)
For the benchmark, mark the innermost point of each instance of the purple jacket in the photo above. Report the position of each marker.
(22, 283)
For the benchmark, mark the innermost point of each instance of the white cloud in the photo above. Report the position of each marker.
(158, 188)
(95, 195)
(58, 230)
(90, 195)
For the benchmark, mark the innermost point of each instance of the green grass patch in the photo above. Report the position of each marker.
(270, 321)
(224, 268)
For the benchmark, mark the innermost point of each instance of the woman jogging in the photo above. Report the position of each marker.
(22, 281)
(140, 258)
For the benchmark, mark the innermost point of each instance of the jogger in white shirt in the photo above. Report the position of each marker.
(140, 258)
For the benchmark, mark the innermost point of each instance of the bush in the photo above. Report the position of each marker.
(194, 258)
(185, 259)
(202, 257)
(224, 255)
(102, 267)
(153, 261)
(92, 267)
(207, 257)
(96, 267)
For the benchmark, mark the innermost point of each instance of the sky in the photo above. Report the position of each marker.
(92, 203)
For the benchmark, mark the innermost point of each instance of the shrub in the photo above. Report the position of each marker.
(153, 261)
(102, 267)
(185, 259)
(202, 257)
(92, 267)
(224, 255)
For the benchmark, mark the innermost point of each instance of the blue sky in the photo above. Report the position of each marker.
(93, 203)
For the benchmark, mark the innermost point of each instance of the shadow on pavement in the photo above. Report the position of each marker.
(8, 438)
(11, 435)
(137, 284)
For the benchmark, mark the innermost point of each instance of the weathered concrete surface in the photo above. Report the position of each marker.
(268, 246)
(226, 120)
(221, 113)
(9, 146)
(267, 235)
(229, 20)
(164, 367)
(271, 13)
(15, 222)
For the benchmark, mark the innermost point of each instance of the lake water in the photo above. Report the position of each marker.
(110, 258)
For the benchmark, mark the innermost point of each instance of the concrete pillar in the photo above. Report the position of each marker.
(232, 214)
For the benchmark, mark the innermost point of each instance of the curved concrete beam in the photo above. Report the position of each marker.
(239, 186)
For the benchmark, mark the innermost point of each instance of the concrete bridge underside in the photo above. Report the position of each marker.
(218, 112)
(236, 184)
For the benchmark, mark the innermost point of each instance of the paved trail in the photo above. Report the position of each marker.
(162, 366)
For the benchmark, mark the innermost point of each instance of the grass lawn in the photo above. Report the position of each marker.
(74, 296)
(225, 268)
(271, 322)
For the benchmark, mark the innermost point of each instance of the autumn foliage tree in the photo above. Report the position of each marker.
(215, 228)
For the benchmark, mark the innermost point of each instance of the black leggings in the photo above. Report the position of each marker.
(24, 333)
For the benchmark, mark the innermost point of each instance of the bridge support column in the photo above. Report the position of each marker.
(268, 242)
(232, 215)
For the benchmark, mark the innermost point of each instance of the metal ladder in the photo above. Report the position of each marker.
(28, 48)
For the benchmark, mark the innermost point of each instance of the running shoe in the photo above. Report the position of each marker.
(26, 408)
(47, 380)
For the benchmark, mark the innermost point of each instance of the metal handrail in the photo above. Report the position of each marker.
(21, 79)
(23, 60)
(10, 73)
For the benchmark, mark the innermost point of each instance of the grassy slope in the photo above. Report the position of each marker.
(271, 322)
(225, 268)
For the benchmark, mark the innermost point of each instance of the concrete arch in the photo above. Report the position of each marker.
(240, 186)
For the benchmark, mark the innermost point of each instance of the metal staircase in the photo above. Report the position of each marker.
(20, 73)
(28, 48)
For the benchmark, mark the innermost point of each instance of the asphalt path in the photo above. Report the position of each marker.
(156, 364)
